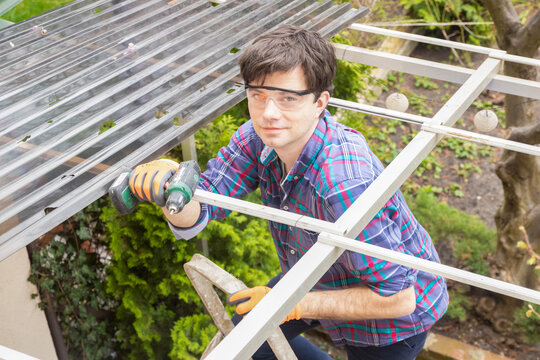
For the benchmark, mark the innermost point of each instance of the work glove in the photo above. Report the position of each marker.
(245, 300)
(147, 181)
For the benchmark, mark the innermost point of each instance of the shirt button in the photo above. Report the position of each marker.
(285, 207)
(292, 252)
(295, 177)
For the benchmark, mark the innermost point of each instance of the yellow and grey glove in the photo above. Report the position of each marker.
(245, 300)
(147, 181)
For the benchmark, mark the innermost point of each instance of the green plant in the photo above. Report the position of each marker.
(445, 97)
(106, 125)
(430, 163)
(528, 322)
(525, 8)
(466, 169)
(444, 11)
(459, 305)
(462, 149)
(425, 83)
(351, 78)
(190, 335)
(71, 271)
(146, 277)
(454, 189)
(471, 239)
(391, 79)
(419, 104)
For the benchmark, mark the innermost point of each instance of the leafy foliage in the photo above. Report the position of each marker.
(528, 323)
(189, 334)
(71, 271)
(351, 78)
(148, 281)
(459, 305)
(443, 11)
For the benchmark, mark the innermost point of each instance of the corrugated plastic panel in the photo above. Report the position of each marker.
(155, 70)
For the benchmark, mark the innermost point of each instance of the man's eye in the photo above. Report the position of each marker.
(289, 99)
(259, 97)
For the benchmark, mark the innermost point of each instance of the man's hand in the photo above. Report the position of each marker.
(245, 300)
(147, 182)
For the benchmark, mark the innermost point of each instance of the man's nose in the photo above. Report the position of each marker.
(271, 110)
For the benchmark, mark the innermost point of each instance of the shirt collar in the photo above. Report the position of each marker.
(315, 144)
(309, 153)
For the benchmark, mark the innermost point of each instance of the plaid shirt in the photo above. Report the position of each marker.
(334, 168)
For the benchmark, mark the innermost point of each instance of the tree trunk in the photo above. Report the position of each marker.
(520, 176)
(519, 173)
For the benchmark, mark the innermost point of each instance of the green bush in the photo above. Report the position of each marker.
(528, 323)
(71, 271)
(147, 278)
(352, 79)
(459, 305)
(190, 335)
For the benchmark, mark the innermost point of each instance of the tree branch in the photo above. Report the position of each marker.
(506, 20)
(526, 134)
(502, 12)
(531, 34)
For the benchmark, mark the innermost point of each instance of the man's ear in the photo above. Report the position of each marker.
(322, 102)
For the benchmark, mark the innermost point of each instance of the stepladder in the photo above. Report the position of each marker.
(205, 276)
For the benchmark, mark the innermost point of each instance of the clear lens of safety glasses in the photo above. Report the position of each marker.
(283, 98)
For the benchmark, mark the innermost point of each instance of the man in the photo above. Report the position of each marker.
(304, 162)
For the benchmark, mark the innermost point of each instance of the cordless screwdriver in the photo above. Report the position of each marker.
(179, 189)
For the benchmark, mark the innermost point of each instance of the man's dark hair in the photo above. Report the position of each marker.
(286, 48)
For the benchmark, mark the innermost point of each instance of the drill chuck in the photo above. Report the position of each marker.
(182, 186)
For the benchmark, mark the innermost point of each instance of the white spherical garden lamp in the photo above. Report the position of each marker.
(397, 102)
(485, 120)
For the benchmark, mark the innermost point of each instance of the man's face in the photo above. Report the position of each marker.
(280, 126)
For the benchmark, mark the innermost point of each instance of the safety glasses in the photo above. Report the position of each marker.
(284, 99)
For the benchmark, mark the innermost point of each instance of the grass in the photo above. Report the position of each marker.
(30, 8)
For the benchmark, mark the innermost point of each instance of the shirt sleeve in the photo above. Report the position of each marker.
(232, 173)
(383, 277)
(191, 232)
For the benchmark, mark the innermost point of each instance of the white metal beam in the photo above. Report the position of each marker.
(420, 38)
(268, 213)
(445, 43)
(465, 277)
(439, 129)
(378, 111)
(483, 139)
(434, 70)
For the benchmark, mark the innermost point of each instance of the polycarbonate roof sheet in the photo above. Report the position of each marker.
(93, 88)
